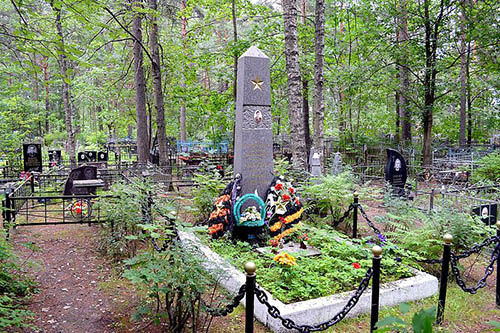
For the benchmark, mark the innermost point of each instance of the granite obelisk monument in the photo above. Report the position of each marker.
(253, 139)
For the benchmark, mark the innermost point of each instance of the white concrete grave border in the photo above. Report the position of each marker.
(319, 310)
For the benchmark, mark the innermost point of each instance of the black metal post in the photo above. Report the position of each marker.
(445, 265)
(355, 216)
(431, 201)
(497, 299)
(250, 268)
(377, 257)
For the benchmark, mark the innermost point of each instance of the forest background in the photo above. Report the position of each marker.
(76, 73)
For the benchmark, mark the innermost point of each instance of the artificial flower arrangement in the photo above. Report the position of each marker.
(283, 212)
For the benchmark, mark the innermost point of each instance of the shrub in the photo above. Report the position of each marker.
(209, 185)
(174, 282)
(13, 286)
(489, 168)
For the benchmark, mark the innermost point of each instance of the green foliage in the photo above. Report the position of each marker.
(174, 282)
(208, 187)
(422, 321)
(489, 169)
(332, 195)
(317, 276)
(422, 233)
(13, 287)
(125, 214)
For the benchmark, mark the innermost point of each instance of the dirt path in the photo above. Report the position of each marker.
(69, 271)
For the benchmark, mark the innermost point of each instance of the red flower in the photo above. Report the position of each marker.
(278, 187)
(356, 265)
(219, 167)
(297, 202)
(282, 219)
(292, 190)
(286, 197)
(78, 211)
(304, 237)
(274, 242)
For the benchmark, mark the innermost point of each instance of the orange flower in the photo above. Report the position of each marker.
(285, 259)
(215, 228)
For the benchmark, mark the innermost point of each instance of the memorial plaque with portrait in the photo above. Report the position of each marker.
(32, 153)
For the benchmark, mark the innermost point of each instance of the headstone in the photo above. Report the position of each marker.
(81, 173)
(488, 213)
(253, 143)
(82, 157)
(337, 164)
(396, 172)
(32, 153)
(55, 157)
(102, 156)
(315, 163)
(91, 156)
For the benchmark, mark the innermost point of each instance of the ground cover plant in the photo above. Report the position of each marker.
(292, 278)
(15, 287)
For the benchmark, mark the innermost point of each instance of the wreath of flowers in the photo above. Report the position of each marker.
(283, 211)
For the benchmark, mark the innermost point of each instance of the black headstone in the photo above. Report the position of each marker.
(91, 156)
(102, 156)
(82, 157)
(32, 153)
(396, 171)
(81, 173)
(55, 157)
(488, 213)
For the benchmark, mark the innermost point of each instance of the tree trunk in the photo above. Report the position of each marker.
(70, 139)
(140, 92)
(157, 87)
(404, 82)
(305, 90)
(182, 118)
(319, 102)
(295, 112)
(45, 65)
(463, 83)
(431, 40)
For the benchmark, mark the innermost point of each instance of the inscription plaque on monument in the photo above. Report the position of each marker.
(55, 157)
(32, 153)
(396, 172)
(253, 142)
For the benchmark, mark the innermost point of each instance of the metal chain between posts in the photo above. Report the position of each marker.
(346, 214)
(227, 309)
(478, 247)
(290, 324)
(382, 237)
(370, 223)
(488, 271)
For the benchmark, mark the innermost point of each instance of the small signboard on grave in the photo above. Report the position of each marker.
(396, 172)
(32, 153)
(488, 213)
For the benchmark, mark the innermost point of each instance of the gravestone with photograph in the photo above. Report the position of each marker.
(32, 153)
(487, 213)
(396, 172)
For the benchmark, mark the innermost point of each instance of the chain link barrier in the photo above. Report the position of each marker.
(488, 271)
(290, 324)
(228, 308)
(370, 223)
(346, 214)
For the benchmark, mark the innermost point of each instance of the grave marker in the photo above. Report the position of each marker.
(337, 164)
(487, 213)
(315, 163)
(253, 142)
(32, 153)
(396, 172)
